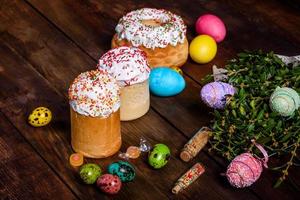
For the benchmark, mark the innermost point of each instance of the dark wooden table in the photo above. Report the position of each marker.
(44, 45)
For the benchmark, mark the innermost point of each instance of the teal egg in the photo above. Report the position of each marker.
(284, 101)
(124, 170)
(164, 81)
(159, 156)
(89, 173)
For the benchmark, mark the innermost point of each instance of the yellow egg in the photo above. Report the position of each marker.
(177, 69)
(203, 49)
(40, 116)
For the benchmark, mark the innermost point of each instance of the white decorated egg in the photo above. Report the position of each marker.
(164, 81)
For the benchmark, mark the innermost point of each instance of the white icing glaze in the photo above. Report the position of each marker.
(171, 31)
(95, 93)
(127, 64)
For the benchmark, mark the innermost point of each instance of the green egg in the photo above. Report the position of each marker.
(159, 156)
(89, 173)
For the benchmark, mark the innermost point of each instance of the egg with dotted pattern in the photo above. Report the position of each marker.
(41, 116)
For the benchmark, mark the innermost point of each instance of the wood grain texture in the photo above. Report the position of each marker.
(44, 93)
(185, 109)
(24, 175)
(54, 41)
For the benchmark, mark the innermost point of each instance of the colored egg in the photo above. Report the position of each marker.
(40, 116)
(178, 70)
(214, 94)
(89, 173)
(211, 25)
(164, 81)
(159, 156)
(108, 183)
(284, 101)
(203, 49)
(123, 170)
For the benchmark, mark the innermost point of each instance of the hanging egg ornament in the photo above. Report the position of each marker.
(211, 25)
(124, 170)
(41, 116)
(284, 101)
(108, 183)
(214, 94)
(245, 169)
(203, 49)
(89, 173)
(159, 156)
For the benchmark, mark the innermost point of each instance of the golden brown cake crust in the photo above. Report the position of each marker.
(170, 56)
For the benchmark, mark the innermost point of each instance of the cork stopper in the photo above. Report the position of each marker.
(176, 189)
(185, 156)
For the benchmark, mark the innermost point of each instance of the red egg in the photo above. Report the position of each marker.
(211, 25)
(108, 183)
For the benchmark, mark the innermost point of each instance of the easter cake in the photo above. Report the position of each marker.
(128, 65)
(159, 33)
(95, 115)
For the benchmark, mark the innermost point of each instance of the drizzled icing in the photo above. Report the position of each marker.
(127, 64)
(95, 93)
(171, 31)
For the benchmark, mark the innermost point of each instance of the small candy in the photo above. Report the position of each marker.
(134, 152)
(109, 183)
(145, 146)
(159, 156)
(214, 94)
(89, 173)
(76, 159)
(284, 101)
(40, 116)
(245, 169)
(178, 70)
(123, 170)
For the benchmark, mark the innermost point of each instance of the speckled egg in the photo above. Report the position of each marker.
(159, 156)
(123, 170)
(40, 116)
(164, 81)
(284, 101)
(89, 173)
(108, 183)
(214, 94)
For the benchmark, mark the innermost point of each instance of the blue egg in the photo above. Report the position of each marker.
(164, 81)
(123, 170)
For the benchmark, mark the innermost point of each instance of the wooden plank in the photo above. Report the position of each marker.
(274, 13)
(28, 90)
(157, 131)
(23, 174)
(187, 105)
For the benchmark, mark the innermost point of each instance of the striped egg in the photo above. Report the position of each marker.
(214, 94)
(284, 101)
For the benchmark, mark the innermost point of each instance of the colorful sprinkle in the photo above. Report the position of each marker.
(171, 30)
(127, 64)
(95, 93)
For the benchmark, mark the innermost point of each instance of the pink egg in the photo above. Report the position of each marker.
(211, 25)
(110, 184)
